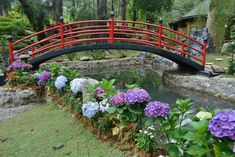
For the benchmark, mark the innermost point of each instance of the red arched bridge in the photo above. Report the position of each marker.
(112, 34)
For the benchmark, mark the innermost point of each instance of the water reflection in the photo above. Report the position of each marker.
(152, 82)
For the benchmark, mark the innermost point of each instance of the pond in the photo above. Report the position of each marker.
(152, 82)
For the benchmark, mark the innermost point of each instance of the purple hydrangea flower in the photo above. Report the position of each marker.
(43, 77)
(89, 109)
(137, 95)
(119, 99)
(223, 124)
(16, 64)
(9, 68)
(157, 109)
(99, 91)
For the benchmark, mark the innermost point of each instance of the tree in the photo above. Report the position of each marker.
(5, 6)
(57, 9)
(219, 21)
(36, 15)
(149, 8)
(123, 10)
(101, 9)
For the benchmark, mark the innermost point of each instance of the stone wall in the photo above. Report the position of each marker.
(223, 88)
(12, 97)
(81, 65)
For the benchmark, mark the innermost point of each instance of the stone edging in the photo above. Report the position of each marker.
(223, 88)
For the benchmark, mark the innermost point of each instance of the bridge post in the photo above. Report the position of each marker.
(33, 49)
(160, 33)
(71, 36)
(111, 27)
(182, 48)
(147, 36)
(204, 52)
(10, 47)
(61, 20)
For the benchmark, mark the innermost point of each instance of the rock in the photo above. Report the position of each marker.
(219, 59)
(59, 146)
(87, 83)
(85, 58)
(163, 63)
(13, 97)
(217, 69)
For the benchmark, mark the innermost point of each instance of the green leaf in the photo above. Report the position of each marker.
(112, 109)
(201, 126)
(196, 151)
(173, 150)
(194, 138)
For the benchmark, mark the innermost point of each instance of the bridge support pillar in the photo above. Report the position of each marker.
(111, 27)
(10, 46)
(61, 20)
(160, 33)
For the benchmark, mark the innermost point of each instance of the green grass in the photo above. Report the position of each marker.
(34, 133)
(212, 58)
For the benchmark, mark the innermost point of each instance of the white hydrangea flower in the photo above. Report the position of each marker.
(76, 85)
(104, 105)
(203, 115)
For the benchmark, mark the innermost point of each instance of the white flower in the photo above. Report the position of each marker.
(145, 132)
(104, 105)
(151, 136)
(76, 85)
(203, 115)
(140, 131)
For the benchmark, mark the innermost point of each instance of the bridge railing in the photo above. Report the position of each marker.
(110, 31)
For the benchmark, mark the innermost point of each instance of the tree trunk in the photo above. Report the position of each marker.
(134, 12)
(34, 12)
(101, 9)
(123, 11)
(57, 9)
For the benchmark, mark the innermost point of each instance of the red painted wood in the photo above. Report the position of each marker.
(71, 34)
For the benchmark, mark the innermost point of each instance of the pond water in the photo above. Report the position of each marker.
(152, 82)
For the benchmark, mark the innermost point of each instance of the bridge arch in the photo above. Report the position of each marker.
(112, 34)
(182, 61)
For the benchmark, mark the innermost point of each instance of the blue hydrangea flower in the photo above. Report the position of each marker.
(15, 65)
(137, 95)
(60, 82)
(76, 85)
(157, 109)
(223, 124)
(89, 109)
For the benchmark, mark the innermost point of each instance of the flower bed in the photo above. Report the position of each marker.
(136, 123)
